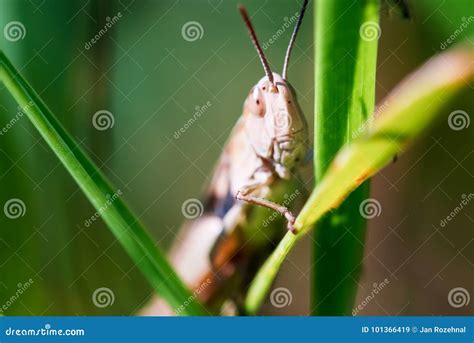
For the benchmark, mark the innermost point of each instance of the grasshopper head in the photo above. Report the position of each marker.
(275, 125)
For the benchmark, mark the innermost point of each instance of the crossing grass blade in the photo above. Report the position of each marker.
(411, 108)
(123, 224)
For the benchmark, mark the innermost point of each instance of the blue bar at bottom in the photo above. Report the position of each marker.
(237, 329)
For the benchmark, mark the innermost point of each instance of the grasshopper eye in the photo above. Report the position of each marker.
(255, 102)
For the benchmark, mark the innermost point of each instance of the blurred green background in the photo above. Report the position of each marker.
(151, 76)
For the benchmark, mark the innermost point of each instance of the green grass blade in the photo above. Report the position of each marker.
(123, 224)
(344, 99)
(345, 68)
(411, 108)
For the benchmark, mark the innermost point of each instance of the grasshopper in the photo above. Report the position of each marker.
(218, 250)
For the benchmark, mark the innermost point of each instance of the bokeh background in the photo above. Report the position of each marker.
(151, 78)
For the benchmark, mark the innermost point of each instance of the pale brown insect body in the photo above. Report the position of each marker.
(217, 253)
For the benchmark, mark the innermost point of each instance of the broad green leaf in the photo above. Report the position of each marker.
(123, 224)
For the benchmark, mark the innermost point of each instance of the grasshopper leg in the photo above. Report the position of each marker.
(271, 205)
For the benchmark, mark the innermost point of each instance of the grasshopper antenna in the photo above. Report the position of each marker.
(263, 59)
(292, 40)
